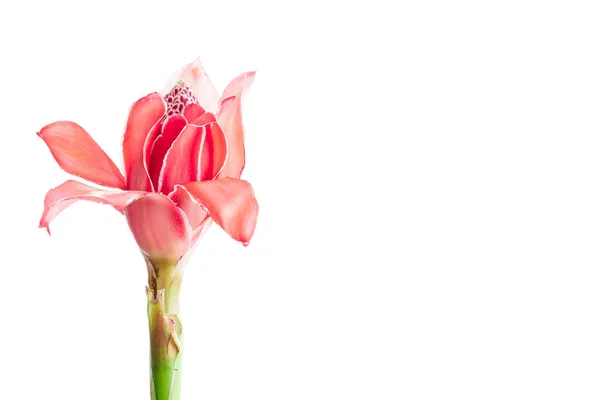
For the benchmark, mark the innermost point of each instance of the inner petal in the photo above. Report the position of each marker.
(182, 106)
(171, 128)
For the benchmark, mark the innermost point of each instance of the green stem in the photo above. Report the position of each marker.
(164, 283)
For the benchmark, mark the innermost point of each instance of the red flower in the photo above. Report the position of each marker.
(183, 155)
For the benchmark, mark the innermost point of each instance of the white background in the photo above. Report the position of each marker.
(428, 175)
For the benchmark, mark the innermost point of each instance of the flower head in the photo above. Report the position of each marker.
(183, 156)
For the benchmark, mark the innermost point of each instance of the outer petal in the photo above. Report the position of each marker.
(230, 203)
(230, 119)
(196, 214)
(214, 153)
(171, 128)
(160, 228)
(181, 163)
(144, 116)
(62, 196)
(194, 211)
(195, 76)
(78, 154)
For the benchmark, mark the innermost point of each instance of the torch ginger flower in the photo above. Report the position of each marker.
(183, 153)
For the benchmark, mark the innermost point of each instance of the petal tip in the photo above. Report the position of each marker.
(196, 67)
(45, 226)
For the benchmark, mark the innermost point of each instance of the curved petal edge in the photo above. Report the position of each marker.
(161, 229)
(230, 203)
(195, 76)
(78, 154)
(143, 121)
(230, 119)
(69, 192)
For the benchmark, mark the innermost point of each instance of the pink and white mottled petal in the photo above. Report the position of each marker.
(195, 75)
(160, 228)
(78, 154)
(144, 116)
(230, 203)
(180, 96)
(181, 164)
(230, 119)
(171, 129)
(196, 215)
(62, 196)
(214, 153)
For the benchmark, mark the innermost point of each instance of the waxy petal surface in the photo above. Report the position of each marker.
(148, 146)
(171, 128)
(144, 116)
(182, 162)
(193, 111)
(214, 153)
(230, 119)
(78, 154)
(195, 213)
(230, 203)
(62, 196)
(195, 76)
(160, 228)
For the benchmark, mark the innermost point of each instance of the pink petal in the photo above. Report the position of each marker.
(78, 154)
(148, 146)
(193, 111)
(171, 128)
(160, 228)
(214, 153)
(62, 196)
(196, 77)
(196, 215)
(230, 119)
(181, 163)
(230, 202)
(144, 119)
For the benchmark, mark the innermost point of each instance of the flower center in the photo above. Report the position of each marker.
(179, 97)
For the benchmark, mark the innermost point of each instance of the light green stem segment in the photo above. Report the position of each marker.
(164, 283)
